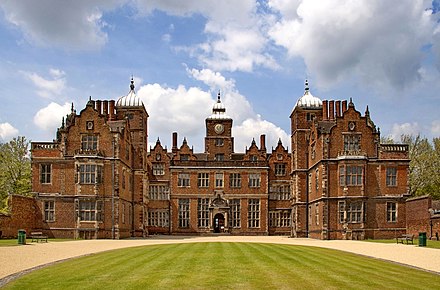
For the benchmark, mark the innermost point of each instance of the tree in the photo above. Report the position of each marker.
(424, 167)
(15, 168)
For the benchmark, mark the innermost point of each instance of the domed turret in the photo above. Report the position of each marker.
(308, 101)
(219, 110)
(131, 99)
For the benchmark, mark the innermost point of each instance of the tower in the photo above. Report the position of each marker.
(219, 143)
(306, 110)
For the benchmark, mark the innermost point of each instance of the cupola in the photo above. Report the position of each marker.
(131, 99)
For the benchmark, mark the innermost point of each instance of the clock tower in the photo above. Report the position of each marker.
(219, 143)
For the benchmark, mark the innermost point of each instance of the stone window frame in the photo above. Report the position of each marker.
(158, 192)
(89, 210)
(391, 176)
(49, 210)
(90, 173)
(254, 212)
(219, 179)
(183, 179)
(254, 180)
(219, 142)
(391, 211)
(317, 213)
(235, 205)
(158, 218)
(158, 168)
(89, 142)
(351, 175)
(184, 213)
(46, 173)
(279, 192)
(352, 142)
(219, 157)
(355, 212)
(235, 180)
(280, 169)
(203, 212)
(203, 179)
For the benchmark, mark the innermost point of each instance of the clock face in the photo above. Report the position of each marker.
(219, 128)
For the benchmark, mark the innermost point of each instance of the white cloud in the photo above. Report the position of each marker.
(404, 129)
(47, 88)
(378, 41)
(435, 128)
(7, 132)
(67, 24)
(184, 110)
(49, 118)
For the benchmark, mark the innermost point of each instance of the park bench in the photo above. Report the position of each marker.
(407, 238)
(37, 236)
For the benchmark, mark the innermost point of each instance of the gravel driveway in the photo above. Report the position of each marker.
(17, 260)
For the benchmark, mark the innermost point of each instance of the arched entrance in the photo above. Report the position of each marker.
(219, 223)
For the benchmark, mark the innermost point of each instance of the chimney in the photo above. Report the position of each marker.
(338, 108)
(105, 105)
(344, 106)
(263, 143)
(325, 110)
(98, 106)
(332, 110)
(174, 142)
(111, 110)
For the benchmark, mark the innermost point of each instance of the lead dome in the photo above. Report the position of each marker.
(131, 99)
(308, 101)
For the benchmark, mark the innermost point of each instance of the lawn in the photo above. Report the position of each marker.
(226, 266)
(14, 242)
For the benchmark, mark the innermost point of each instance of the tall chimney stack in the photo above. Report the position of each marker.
(332, 110)
(174, 148)
(98, 106)
(324, 110)
(105, 107)
(263, 143)
(338, 108)
(111, 110)
(344, 106)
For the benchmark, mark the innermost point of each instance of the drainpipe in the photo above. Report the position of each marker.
(113, 189)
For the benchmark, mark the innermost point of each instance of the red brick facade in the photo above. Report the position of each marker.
(97, 180)
(423, 215)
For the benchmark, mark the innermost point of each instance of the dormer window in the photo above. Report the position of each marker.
(89, 142)
(253, 158)
(219, 157)
(184, 157)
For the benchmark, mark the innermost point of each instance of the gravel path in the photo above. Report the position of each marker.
(18, 260)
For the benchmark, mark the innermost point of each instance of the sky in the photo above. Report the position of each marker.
(382, 54)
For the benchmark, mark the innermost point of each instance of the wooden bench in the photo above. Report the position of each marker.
(38, 236)
(407, 238)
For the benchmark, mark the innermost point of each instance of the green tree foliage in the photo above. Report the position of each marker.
(15, 168)
(424, 171)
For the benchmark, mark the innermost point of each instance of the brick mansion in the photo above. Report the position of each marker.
(99, 179)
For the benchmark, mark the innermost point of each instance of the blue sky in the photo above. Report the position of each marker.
(384, 54)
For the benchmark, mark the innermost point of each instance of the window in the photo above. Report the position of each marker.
(279, 218)
(317, 179)
(219, 180)
(341, 211)
(280, 169)
(235, 180)
(90, 174)
(203, 179)
(317, 214)
(350, 175)
(89, 142)
(391, 212)
(279, 192)
(203, 212)
(219, 157)
(45, 173)
(123, 213)
(352, 143)
(87, 210)
(49, 211)
(219, 142)
(158, 218)
(158, 168)
(253, 158)
(391, 176)
(254, 213)
(183, 180)
(158, 192)
(235, 213)
(254, 180)
(184, 213)
(354, 212)
(184, 157)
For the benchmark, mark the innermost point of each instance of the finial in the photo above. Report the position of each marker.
(218, 97)
(350, 104)
(184, 141)
(279, 142)
(72, 109)
(306, 84)
(367, 112)
(90, 98)
(158, 141)
(62, 123)
(132, 83)
(253, 141)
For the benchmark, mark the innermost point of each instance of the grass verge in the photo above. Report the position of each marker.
(226, 266)
(429, 243)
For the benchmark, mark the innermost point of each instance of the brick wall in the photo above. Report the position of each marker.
(24, 214)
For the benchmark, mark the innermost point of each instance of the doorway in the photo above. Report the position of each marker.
(219, 223)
